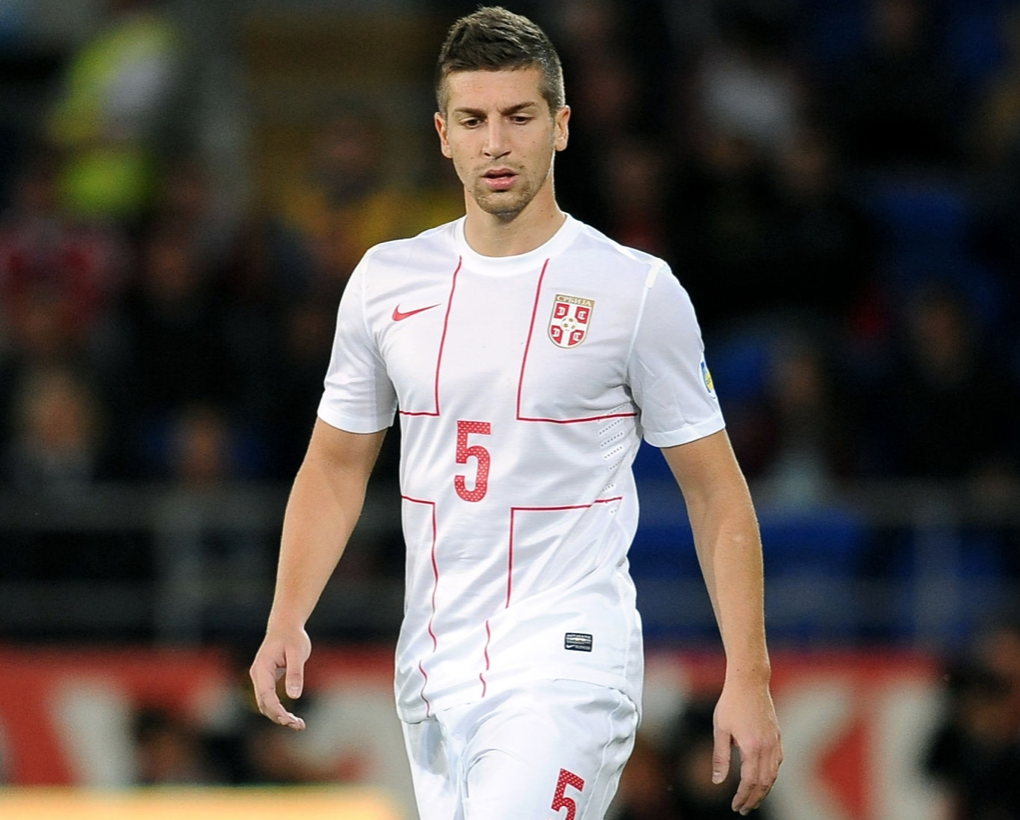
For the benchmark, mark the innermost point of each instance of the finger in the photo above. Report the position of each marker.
(721, 750)
(295, 681)
(749, 791)
(749, 797)
(263, 677)
(264, 680)
(757, 774)
(271, 707)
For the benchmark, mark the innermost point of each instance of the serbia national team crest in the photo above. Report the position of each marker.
(571, 317)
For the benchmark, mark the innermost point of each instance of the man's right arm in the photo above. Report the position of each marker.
(324, 505)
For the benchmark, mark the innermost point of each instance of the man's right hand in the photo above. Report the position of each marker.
(282, 655)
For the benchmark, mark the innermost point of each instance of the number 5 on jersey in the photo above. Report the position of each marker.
(476, 451)
(560, 800)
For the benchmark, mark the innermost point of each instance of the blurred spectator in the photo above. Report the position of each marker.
(57, 288)
(176, 350)
(822, 253)
(187, 199)
(745, 83)
(119, 105)
(356, 192)
(947, 403)
(721, 222)
(636, 172)
(303, 352)
(606, 80)
(200, 448)
(807, 440)
(975, 752)
(999, 645)
(645, 791)
(200, 445)
(59, 449)
(896, 105)
(617, 61)
(199, 453)
(996, 128)
(61, 279)
(168, 750)
(71, 269)
(57, 446)
(265, 275)
(995, 145)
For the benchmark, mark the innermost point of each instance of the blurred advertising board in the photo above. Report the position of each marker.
(855, 725)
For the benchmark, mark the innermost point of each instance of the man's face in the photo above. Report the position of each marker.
(501, 136)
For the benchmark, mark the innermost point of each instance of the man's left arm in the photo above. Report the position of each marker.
(729, 550)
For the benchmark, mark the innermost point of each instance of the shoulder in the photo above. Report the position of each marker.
(432, 246)
(608, 256)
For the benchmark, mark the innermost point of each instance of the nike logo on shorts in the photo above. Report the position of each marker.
(398, 316)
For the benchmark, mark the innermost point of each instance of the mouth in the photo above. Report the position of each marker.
(499, 179)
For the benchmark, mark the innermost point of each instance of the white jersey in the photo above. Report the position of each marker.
(524, 385)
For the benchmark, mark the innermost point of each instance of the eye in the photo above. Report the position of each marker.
(520, 119)
(470, 122)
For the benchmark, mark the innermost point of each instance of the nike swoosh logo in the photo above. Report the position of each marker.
(398, 316)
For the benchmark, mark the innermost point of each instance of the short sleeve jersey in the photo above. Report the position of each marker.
(523, 386)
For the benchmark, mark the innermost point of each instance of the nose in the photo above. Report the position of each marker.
(496, 144)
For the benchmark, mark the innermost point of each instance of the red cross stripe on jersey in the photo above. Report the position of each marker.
(442, 343)
(435, 586)
(564, 312)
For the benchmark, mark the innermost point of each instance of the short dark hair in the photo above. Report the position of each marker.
(494, 39)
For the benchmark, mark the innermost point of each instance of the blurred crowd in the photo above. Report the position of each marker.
(836, 183)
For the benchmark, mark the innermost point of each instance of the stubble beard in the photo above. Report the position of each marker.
(503, 204)
(506, 205)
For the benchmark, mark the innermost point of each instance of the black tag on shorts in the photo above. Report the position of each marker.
(577, 641)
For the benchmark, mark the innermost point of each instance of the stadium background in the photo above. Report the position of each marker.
(184, 188)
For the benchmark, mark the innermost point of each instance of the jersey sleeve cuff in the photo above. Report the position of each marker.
(686, 434)
(353, 424)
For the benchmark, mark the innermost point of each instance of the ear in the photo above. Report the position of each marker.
(561, 128)
(444, 142)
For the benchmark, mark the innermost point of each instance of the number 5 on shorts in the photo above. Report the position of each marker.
(560, 800)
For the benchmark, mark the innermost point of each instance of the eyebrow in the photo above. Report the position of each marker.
(513, 109)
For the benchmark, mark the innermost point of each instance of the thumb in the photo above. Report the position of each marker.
(720, 756)
(295, 680)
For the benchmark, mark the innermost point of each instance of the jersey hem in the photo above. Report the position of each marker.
(629, 688)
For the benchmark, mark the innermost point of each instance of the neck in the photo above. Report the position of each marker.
(492, 235)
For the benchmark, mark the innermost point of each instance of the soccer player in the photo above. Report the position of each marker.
(526, 355)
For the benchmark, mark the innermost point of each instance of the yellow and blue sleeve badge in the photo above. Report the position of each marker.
(706, 377)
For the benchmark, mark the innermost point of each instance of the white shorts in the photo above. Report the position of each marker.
(549, 750)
